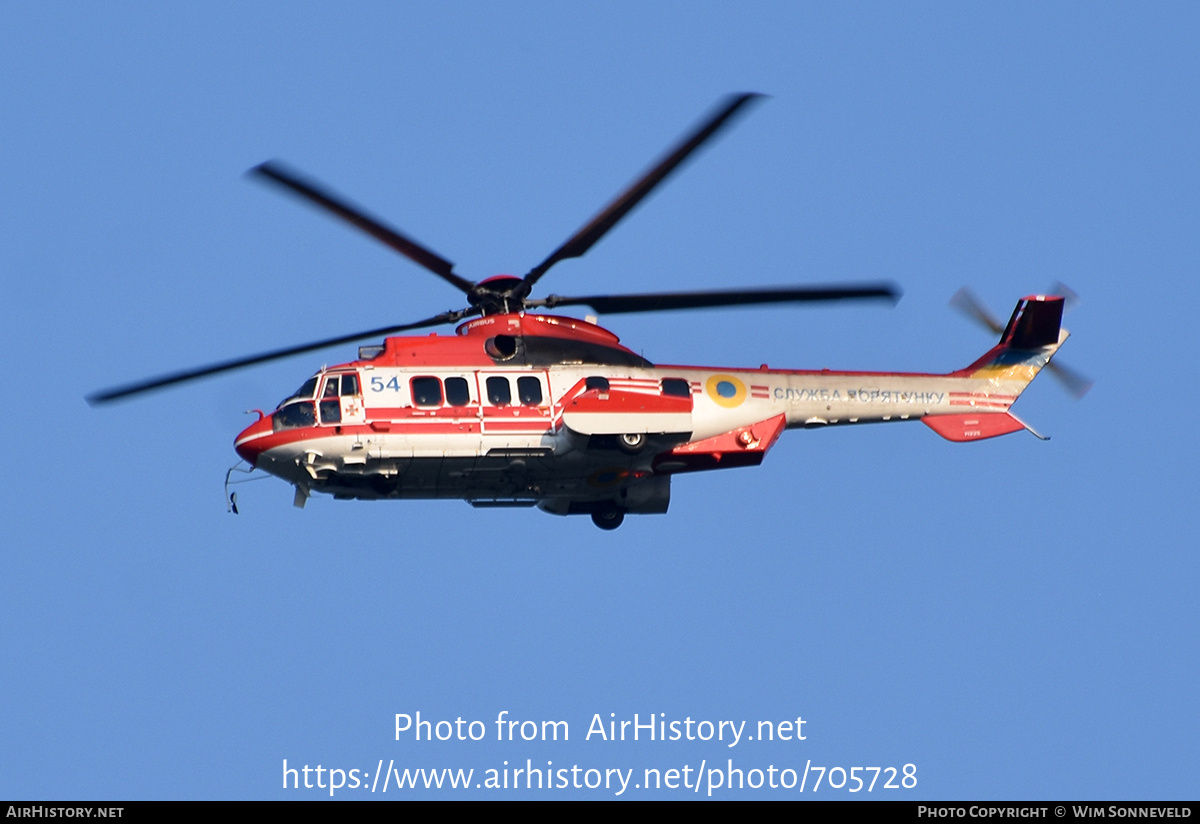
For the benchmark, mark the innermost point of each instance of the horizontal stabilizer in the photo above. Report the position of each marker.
(973, 426)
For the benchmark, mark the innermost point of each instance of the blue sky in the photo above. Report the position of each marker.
(1015, 618)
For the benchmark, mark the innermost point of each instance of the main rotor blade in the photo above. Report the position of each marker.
(277, 173)
(164, 381)
(584, 239)
(666, 301)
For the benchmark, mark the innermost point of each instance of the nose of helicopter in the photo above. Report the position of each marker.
(251, 441)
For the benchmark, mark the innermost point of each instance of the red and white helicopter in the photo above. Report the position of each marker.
(521, 408)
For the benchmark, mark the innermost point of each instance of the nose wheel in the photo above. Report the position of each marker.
(608, 518)
(632, 443)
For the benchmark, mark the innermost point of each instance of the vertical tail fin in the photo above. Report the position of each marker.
(1034, 323)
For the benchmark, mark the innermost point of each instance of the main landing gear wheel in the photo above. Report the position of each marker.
(632, 443)
(608, 518)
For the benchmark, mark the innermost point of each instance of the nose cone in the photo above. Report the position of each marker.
(252, 441)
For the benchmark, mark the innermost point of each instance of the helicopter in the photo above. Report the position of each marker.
(523, 408)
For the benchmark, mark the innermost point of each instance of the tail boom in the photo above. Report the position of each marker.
(965, 405)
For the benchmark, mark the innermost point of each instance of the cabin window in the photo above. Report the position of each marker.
(427, 391)
(499, 392)
(596, 382)
(458, 392)
(294, 416)
(529, 390)
(350, 385)
(676, 388)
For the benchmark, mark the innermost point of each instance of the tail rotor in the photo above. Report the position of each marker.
(966, 302)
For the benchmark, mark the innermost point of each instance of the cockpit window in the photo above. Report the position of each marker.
(306, 390)
(294, 416)
(331, 387)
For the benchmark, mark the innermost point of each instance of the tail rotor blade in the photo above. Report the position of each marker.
(965, 301)
(1070, 296)
(1075, 384)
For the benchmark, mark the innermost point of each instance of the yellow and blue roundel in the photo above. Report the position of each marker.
(612, 476)
(726, 390)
